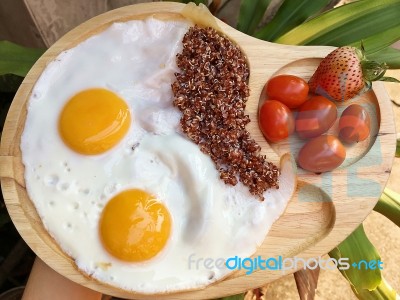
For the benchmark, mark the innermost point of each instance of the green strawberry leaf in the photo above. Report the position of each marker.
(374, 70)
(389, 79)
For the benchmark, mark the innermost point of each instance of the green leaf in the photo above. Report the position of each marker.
(389, 79)
(250, 14)
(197, 2)
(383, 292)
(389, 205)
(357, 248)
(382, 40)
(9, 83)
(398, 148)
(346, 24)
(205, 2)
(234, 297)
(290, 14)
(390, 56)
(17, 60)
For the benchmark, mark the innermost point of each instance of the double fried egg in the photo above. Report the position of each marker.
(116, 183)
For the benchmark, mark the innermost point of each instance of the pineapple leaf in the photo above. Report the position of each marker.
(389, 205)
(388, 55)
(346, 24)
(289, 15)
(375, 43)
(359, 251)
(17, 60)
(250, 14)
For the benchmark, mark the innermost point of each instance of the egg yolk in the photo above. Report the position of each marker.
(93, 121)
(134, 226)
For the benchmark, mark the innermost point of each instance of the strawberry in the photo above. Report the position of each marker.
(344, 73)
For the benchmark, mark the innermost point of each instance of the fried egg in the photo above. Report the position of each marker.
(117, 185)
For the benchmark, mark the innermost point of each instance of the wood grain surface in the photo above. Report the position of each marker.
(324, 211)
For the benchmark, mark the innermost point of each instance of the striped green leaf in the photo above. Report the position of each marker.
(383, 292)
(389, 205)
(346, 24)
(250, 14)
(289, 15)
(357, 248)
(377, 42)
(388, 55)
(17, 60)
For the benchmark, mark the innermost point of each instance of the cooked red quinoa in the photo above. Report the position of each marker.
(211, 91)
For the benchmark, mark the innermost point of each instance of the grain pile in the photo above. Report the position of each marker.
(211, 92)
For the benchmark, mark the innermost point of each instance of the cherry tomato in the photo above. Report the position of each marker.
(322, 154)
(315, 117)
(288, 89)
(354, 124)
(276, 121)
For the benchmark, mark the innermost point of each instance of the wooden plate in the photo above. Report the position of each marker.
(324, 211)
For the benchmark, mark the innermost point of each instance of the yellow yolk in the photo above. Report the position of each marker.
(134, 226)
(93, 121)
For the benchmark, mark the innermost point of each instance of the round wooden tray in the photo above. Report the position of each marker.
(324, 211)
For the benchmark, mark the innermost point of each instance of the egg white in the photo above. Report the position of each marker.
(136, 60)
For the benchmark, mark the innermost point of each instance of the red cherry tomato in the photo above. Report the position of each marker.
(288, 89)
(322, 154)
(315, 117)
(354, 124)
(276, 121)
